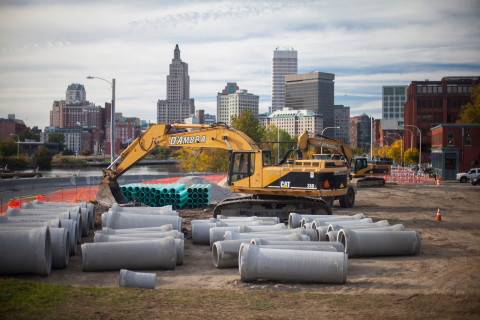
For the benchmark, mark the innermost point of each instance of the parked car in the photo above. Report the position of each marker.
(475, 181)
(465, 177)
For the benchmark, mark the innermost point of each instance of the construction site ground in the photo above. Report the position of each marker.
(445, 273)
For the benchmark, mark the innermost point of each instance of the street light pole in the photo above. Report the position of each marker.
(321, 148)
(420, 144)
(112, 117)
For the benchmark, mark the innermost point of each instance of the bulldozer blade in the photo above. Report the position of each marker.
(109, 194)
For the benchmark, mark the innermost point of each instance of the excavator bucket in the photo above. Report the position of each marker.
(109, 193)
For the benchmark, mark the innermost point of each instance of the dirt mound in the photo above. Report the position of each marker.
(218, 192)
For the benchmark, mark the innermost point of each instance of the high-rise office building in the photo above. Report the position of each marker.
(342, 120)
(232, 101)
(178, 104)
(295, 122)
(284, 62)
(313, 91)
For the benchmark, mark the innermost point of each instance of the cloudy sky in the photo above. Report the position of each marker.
(47, 45)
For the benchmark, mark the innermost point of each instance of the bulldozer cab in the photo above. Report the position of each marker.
(358, 164)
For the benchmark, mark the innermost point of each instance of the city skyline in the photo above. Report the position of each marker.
(47, 46)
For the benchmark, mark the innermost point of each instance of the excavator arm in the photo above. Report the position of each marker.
(316, 140)
(164, 135)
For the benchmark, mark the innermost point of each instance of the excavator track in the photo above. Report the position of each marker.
(270, 206)
(370, 182)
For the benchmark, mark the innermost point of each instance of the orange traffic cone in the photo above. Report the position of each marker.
(439, 217)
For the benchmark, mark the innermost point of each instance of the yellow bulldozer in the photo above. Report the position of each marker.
(273, 190)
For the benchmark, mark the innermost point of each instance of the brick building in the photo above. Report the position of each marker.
(431, 103)
(455, 148)
(360, 132)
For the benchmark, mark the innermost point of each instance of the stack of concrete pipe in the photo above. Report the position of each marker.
(361, 236)
(136, 238)
(64, 225)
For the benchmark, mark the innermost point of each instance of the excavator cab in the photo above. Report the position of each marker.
(358, 164)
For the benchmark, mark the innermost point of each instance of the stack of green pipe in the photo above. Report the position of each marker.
(199, 195)
(156, 195)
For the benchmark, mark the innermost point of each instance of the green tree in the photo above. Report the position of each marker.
(470, 113)
(57, 137)
(42, 157)
(161, 153)
(248, 124)
(8, 148)
(67, 152)
(28, 135)
(273, 134)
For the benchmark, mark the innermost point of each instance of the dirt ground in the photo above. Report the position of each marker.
(448, 263)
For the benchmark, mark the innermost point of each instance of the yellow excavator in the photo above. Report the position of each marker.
(372, 171)
(274, 190)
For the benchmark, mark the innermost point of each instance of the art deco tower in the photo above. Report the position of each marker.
(178, 104)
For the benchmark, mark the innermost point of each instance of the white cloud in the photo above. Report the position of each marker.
(46, 46)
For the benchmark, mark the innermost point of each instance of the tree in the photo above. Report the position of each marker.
(203, 160)
(410, 156)
(383, 151)
(248, 124)
(470, 113)
(87, 152)
(67, 152)
(272, 134)
(161, 153)
(395, 152)
(28, 135)
(57, 137)
(8, 148)
(42, 157)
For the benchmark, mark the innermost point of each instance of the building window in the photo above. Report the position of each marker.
(450, 139)
(468, 139)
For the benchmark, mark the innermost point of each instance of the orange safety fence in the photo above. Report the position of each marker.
(86, 194)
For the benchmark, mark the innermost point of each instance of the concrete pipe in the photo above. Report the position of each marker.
(167, 227)
(307, 218)
(60, 247)
(311, 247)
(333, 235)
(291, 265)
(16, 217)
(233, 235)
(145, 210)
(87, 212)
(137, 279)
(179, 243)
(295, 219)
(16, 220)
(174, 233)
(217, 233)
(201, 231)
(74, 234)
(268, 242)
(238, 223)
(145, 254)
(55, 223)
(11, 212)
(260, 228)
(311, 233)
(26, 251)
(274, 219)
(75, 209)
(126, 220)
(358, 225)
(379, 243)
(225, 253)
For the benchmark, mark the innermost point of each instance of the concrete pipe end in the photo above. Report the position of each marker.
(247, 256)
(47, 268)
(216, 248)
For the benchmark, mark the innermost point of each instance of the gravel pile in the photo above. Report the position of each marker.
(218, 193)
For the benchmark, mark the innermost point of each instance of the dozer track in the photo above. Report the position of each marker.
(370, 182)
(270, 206)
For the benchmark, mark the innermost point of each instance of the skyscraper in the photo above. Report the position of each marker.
(342, 120)
(76, 94)
(284, 62)
(178, 104)
(232, 101)
(312, 91)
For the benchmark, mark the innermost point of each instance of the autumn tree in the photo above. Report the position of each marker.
(272, 133)
(410, 156)
(248, 124)
(203, 159)
(470, 113)
(8, 148)
(395, 152)
(87, 152)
